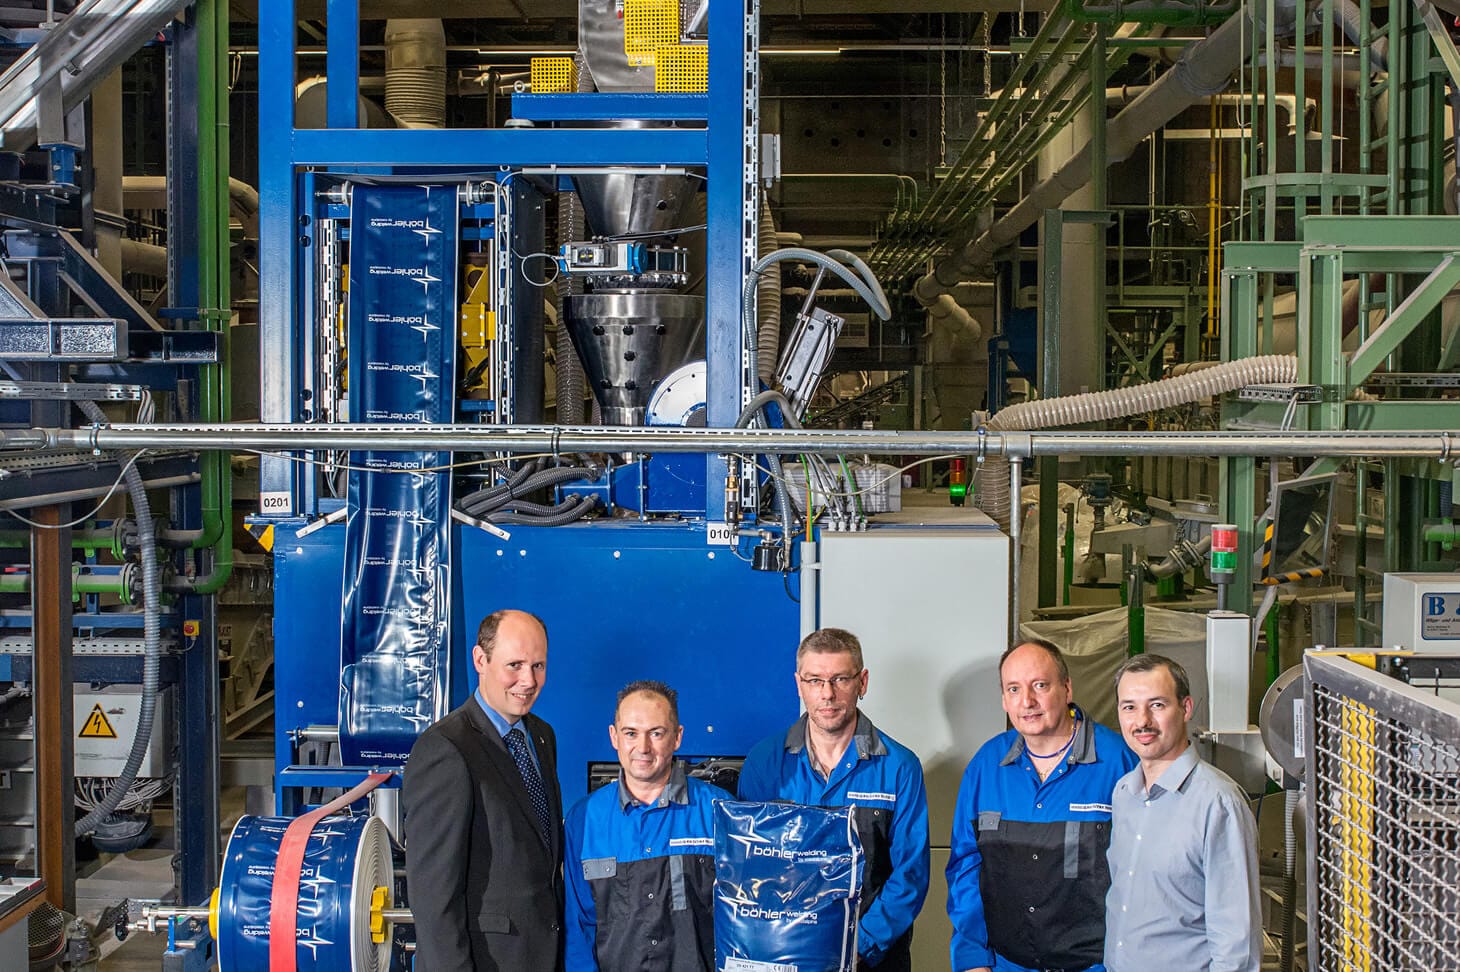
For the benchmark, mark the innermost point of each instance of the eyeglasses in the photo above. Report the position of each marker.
(837, 682)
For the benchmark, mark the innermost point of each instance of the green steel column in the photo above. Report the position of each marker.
(1321, 359)
(1049, 493)
(1099, 181)
(213, 283)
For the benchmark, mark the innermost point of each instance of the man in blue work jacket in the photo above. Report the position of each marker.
(834, 757)
(640, 853)
(1027, 874)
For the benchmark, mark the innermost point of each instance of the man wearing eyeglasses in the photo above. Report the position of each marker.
(834, 757)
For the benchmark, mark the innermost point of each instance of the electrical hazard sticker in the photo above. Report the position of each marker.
(97, 726)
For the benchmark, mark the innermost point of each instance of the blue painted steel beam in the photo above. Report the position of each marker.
(277, 256)
(489, 148)
(724, 344)
(610, 107)
(342, 64)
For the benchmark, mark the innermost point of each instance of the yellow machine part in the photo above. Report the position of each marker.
(682, 67)
(213, 914)
(553, 75)
(648, 26)
(379, 901)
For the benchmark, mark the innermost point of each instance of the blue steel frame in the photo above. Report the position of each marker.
(285, 151)
(699, 602)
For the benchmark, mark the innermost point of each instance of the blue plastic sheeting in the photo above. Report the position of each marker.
(395, 626)
(326, 938)
(788, 882)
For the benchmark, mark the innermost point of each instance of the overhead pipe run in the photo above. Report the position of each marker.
(1204, 69)
(1441, 445)
(150, 192)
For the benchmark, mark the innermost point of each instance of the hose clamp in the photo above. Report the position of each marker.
(553, 441)
(983, 443)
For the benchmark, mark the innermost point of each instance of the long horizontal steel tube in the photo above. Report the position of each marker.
(1438, 444)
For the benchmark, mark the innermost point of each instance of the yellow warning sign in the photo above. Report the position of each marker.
(97, 726)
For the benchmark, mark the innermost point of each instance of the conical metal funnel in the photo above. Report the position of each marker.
(629, 340)
(617, 204)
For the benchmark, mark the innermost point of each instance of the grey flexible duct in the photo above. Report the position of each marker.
(151, 640)
(484, 501)
(574, 509)
(756, 407)
(1290, 880)
(992, 476)
(569, 368)
(768, 298)
(868, 289)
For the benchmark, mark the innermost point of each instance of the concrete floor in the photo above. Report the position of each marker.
(142, 874)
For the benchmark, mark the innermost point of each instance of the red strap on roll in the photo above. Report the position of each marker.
(284, 895)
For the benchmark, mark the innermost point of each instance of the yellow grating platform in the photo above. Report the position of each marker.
(648, 26)
(682, 67)
(554, 75)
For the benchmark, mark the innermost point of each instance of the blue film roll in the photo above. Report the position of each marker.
(345, 859)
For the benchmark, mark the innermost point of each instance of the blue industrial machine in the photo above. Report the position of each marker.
(403, 282)
(421, 224)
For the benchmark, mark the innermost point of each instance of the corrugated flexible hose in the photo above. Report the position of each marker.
(992, 476)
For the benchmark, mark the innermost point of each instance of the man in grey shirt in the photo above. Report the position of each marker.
(1183, 844)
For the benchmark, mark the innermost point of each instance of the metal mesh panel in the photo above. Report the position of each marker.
(1384, 828)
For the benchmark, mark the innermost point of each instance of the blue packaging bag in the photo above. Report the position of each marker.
(788, 883)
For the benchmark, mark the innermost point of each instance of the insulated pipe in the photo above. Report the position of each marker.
(1068, 410)
(1287, 102)
(1203, 69)
(150, 192)
(1442, 445)
(139, 257)
(1351, 19)
(415, 72)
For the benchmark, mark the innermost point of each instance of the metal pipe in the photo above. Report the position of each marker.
(1016, 474)
(1203, 70)
(92, 492)
(243, 436)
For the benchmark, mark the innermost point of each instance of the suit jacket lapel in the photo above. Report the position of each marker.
(496, 751)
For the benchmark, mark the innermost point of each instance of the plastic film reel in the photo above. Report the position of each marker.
(345, 861)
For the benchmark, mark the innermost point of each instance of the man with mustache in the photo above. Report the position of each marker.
(483, 817)
(1183, 855)
(834, 757)
(1026, 874)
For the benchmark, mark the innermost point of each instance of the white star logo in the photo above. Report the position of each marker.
(425, 279)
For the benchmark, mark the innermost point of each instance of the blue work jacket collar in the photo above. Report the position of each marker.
(865, 737)
(675, 791)
(1082, 748)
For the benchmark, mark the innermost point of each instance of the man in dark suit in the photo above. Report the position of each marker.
(483, 817)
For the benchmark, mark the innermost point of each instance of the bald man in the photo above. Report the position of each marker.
(483, 817)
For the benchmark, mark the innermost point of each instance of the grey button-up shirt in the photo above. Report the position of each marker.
(1183, 873)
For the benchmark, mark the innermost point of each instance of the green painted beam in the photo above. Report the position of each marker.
(1405, 318)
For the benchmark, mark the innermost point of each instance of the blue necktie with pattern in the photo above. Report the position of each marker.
(531, 778)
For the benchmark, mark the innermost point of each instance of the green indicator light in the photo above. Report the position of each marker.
(957, 493)
(1224, 561)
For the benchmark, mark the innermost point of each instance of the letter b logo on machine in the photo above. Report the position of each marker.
(788, 886)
